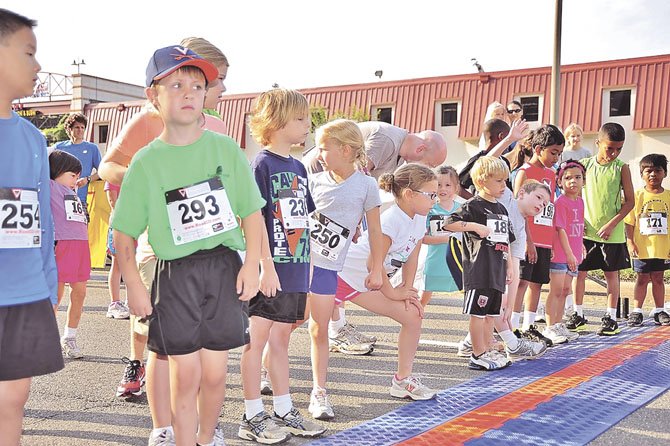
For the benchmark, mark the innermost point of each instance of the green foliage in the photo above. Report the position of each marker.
(627, 275)
(319, 115)
(58, 133)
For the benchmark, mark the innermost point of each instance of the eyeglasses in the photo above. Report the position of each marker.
(516, 110)
(431, 195)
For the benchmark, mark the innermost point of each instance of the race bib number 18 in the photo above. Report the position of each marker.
(19, 218)
(499, 226)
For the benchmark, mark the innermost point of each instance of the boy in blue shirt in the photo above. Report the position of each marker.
(28, 281)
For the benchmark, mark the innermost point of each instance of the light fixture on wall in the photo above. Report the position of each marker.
(379, 74)
(78, 64)
(121, 107)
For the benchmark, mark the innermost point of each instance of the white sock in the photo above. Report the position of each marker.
(253, 408)
(637, 310)
(528, 319)
(612, 312)
(282, 404)
(157, 431)
(568, 301)
(342, 315)
(579, 309)
(515, 320)
(468, 338)
(658, 310)
(335, 326)
(69, 332)
(509, 339)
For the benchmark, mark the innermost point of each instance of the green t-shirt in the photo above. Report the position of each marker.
(179, 193)
(211, 112)
(602, 198)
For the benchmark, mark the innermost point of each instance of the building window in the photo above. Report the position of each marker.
(103, 130)
(531, 108)
(449, 114)
(385, 114)
(620, 103)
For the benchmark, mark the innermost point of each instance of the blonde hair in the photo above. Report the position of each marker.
(273, 109)
(344, 132)
(531, 185)
(408, 176)
(451, 172)
(571, 128)
(206, 50)
(488, 167)
(491, 108)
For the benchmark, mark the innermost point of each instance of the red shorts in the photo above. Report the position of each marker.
(344, 291)
(73, 261)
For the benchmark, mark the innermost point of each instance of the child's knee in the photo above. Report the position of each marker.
(317, 330)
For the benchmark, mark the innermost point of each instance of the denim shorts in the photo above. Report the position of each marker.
(561, 268)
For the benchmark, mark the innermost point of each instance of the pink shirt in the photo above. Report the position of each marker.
(569, 216)
(66, 229)
(110, 186)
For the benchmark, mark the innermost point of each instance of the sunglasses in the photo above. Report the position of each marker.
(516, 110)
(431, 195)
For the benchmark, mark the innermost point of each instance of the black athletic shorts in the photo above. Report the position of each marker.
(605, 256)
(482, 302)
(29, 343)
(196, 305)
(537, 272)
(284, 307)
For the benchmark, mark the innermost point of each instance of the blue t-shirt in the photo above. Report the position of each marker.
(283, 185)
(89, 156)
(27, 274)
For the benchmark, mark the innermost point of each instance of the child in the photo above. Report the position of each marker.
(547, 145)
(567, 248)
(342, 195)
(28, 278)
(192, 188)
(573, 144)
(604, 238)
(647, 238)
(116, 309)
(437, 275)
(486, 237)
(280, 120)
(73, 257)
(414, 187)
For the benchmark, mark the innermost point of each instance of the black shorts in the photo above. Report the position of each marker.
(645, 266)
(284, 307)
(29, 343)
(605, 256)
(482, 302)
(196, 305)
(537, 272)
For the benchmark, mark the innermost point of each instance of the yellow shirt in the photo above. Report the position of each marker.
(649, 217)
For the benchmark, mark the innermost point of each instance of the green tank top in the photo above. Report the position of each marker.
(602, 198)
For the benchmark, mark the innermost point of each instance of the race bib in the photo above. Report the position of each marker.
(499, 226)
(328, 237)
(437, 224)
(74, 211)
(546, 217)
(199, 211)
(19, 218)
(654, 223)
(293, 209)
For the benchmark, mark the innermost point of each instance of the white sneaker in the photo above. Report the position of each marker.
(527, 349)
(540, 313)
(411, 387)
(489, 361)
(118, 310)
(70, 348)
(553, 332)
(570, 335)
(319, 406)
(163, 438)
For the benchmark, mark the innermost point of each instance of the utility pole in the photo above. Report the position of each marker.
(555, 109)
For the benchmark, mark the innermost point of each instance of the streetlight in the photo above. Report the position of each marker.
(81, 62)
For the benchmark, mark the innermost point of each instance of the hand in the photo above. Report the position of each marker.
(357, 234)
(508, 276)
(572, 262)
(482, 231)
(402, 292)
(269, 281)
(374, 280)
(531, 252)
(606, 231)
(81, 182)
(247, 282)
(409, 303)
(139, 303)
(518, 130)
(632, 248)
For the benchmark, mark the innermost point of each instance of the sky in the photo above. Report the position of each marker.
(302, 44)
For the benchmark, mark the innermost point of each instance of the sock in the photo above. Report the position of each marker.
(515, 320)
(335, 326)
(612, 312)
(509, 339)
(528, 319)
(157, 431)
(253, 408)
(342, 317)
(69, 332)
(637, 310)
(568, 301)
(658, 310)
(282, 404)
(579, 309)
(467, 339)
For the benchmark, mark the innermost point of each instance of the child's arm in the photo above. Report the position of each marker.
(247, 278)
(138, 296)
(518, 181)
(113, 166)
(516, 132)
(269, 281)
(374, 280)
(627, 205)
(565, 244)
(47, 226)
(630, 240)
(469, 226)
(435, 239)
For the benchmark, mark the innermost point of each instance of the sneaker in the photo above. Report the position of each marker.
(488, 362)
(540, 313)
(319, 406)
(362, 338)
(527, 349)
(576, 322)
(70, 348)
(635, 319)
(262, 429)
(464, 348)
(133, 378)
(661, 318)
(411, 387)
(534, 334)
(571, 335)
(164, 438)
(266, 385)
(553, 332)
(609, 327)
(346, 343)
(294, 423)
(218, 439)
(118, 310)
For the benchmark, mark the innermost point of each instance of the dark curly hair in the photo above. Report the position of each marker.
(73, 118)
